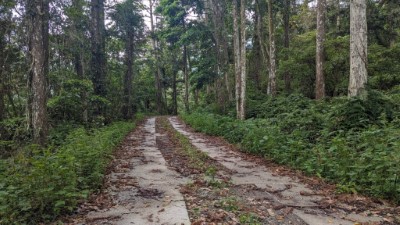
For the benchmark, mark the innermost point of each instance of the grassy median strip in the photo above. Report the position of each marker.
(209, 196)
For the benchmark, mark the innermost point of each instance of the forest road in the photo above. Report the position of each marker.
(139, 189)
(145, 185)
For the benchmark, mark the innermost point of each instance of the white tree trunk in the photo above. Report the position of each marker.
(358, 47)
(320, 78)
(236, 47)
(38, 52)
(272, 55)
(243, 59)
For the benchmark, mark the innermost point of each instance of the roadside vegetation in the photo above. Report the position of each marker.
(39, 184)
(354, 142)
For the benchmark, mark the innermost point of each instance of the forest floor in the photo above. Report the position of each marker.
(165, 173)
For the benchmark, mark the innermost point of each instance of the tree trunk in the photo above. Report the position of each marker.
(216, 8)
(236, 48)
(320, 54)
(272, 57)
(186, 77)
(243, 60)
(157, 75)
(358, 48)
(286, 42)
(338, 17)
(98, 60)
(257, 55)
(2, 105)
(77, 42)
(129, 48)
(38, 17)
(174, 95)
(2, 80)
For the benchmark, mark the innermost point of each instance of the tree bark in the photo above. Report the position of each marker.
(320, 54)
(186, 77)
(358, 48)
(217, 8)
(77, 43)
(272, 55)
(174, 95)
(338, 17)
(38, 17)
(2, 80)
(257, 48)
(157, 75)
(236, 48)
(98, 60)
(129, 49)
(286, 43)
(243, 60)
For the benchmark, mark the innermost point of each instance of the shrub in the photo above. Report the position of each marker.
(41, 184)
(353, 142)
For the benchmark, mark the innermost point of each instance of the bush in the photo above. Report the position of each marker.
(353, 142)
(41, 184)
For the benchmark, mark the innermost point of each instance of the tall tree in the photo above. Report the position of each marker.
(236, 48)
(286, 42)
(157, 74)
(98, 59)
(358, 47)
(38, 22)
(243, 59)
(79, 22)
(239, 46)
(272, 52)
(217, 9)
(130, 26)
(320, 54)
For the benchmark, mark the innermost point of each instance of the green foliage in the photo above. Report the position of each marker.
(40, 184)
(13, 133)
(353, 142)
(75, 97)
(301, 63)
(384, 66)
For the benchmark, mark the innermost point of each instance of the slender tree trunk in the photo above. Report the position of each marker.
(98, 60)
(236, 48)
(2, 105)
(358, 47)
(258, 60)
(272, 55)
(2, 80)
(186, 77)
(338, 17)
(77, 39)
(129, 48)
(38, 17)
(243, 60)
(263, 46)
(216, 8)
(196, 97)
(157, 74)
(174, 95)
(286, 42)
(320, 54)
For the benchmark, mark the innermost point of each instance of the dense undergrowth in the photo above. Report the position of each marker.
(353, 142)
(38, 184)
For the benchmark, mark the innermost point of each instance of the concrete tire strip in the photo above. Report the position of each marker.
(155, 199)
(246, 172)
